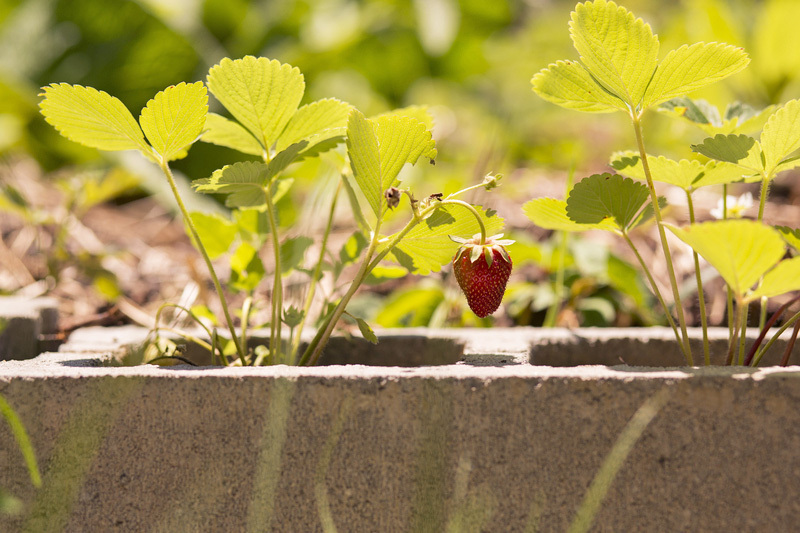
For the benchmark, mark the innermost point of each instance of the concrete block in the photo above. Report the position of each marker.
(491, 443)
(26, 326)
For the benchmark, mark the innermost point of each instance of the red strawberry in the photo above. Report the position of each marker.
(482, 272)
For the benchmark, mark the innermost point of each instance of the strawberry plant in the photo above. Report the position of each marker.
(620, 71)
(266, 122)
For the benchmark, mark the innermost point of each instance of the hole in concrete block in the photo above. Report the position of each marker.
(392, 350)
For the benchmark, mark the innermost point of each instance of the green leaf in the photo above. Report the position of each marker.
(261, 94)
(247, 270)
(322, 119)
(427, 246)
(568, 84)
(785, 277)
(620, 51)
(352, 248)
(362, 147)
(419, 112)
(602, 196)
(739, 149)
(245, 182)
(738, 118)
(293, 252)
(781, 135)
(401, 139)
(686, 174)
(366, 330)
(791, 236)
(549, 213)
(227, 133)
(692, 67)
(174, 118)
(379, 149)
(382, 273)
(741, 250)
(90, 117)
(216, 232)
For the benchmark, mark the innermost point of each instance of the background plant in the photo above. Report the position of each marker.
(620, 71)
(263, 98)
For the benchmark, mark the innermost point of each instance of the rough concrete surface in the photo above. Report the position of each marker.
(492, 443)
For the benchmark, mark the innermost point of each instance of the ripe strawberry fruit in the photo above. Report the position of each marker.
(482, 272)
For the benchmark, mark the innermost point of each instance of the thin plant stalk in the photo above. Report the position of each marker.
(277, 285)
(246, 309)
(762, 202)
(555, 307)
(700, 294)
(790, 345)
(637, 127)
(295, 345)
(784, 327)
(656, 292)
(211, 347)
(732, 342)
(757, 344)
(188, 221)
(743, 332)
(729, 292)
(314, 349)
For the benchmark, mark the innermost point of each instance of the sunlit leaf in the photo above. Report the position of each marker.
(313, 120)
(419, 112)
(261, 94)
(738, 118)
(428, 246)
(686, 174)
(379, 149)
(550, 213)
(216, 232)
(91, 117)
(785, 277)
(781, 135)
(619, 50)
(739, 149)
(174, 118)
(692, 67)
(243, 182)
(741, 250)
(224, 132)
(602, 196)
(568, 84)
(791, 236)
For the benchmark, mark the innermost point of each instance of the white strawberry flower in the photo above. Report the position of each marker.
(737, 205)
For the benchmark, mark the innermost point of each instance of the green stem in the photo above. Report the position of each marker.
(314, 350)
(657, 293)
(246, 307)
(317, 271)
(188, 221)
(277, 285)
(762, 200)
(700, 294)
(732, 343)
(558, 290)
(784, 327)
(743, 332)
(637, 127)
(471, 209)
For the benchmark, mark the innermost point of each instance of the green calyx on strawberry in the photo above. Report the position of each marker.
(482, 271)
